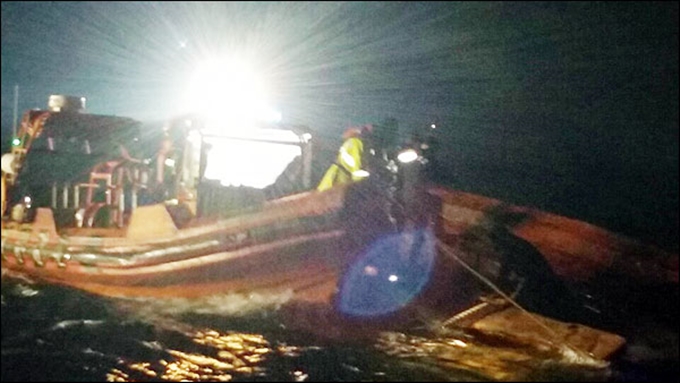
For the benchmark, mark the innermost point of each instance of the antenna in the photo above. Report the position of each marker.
(16, 104)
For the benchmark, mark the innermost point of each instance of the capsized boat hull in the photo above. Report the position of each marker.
(575, 250)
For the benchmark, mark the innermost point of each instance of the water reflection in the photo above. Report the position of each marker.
(223, 355)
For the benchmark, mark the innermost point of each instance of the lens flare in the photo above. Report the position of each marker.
(388, 274)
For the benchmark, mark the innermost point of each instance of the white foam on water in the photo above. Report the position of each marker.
(24, 290)
(570, 356)
(77, 322)
(230, 304)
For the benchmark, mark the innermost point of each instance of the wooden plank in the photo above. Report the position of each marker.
(541, 332)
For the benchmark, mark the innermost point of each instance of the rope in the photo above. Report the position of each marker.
(449, 251)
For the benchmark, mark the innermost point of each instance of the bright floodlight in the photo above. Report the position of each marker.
(408, 155)
(229, 90)
(361, 173)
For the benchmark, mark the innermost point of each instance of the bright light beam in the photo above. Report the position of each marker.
(228, 90)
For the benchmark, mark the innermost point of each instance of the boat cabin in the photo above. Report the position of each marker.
(95, 170)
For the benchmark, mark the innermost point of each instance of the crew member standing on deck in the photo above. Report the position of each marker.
(162, 168)
(348, 167)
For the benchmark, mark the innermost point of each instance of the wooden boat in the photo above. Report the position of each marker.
(321, 248)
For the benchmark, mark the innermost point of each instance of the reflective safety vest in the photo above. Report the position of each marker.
(347, 167)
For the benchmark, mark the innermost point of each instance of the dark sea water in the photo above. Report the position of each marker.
(51, 333)
(58, 334)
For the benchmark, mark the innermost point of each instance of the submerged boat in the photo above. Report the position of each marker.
(97, 227)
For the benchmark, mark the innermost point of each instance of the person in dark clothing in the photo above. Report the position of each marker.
(525, 273)
(162, 173)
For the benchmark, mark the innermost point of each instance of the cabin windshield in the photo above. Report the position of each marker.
(252, 162)
(233, 170)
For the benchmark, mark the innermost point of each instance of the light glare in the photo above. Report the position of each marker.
(254, 164)
(406, 156)
(229, 90)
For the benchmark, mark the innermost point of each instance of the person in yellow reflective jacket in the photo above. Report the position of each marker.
(348, 165)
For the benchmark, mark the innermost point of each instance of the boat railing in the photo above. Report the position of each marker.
(105, 199)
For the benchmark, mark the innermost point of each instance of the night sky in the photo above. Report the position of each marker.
(571, 107)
